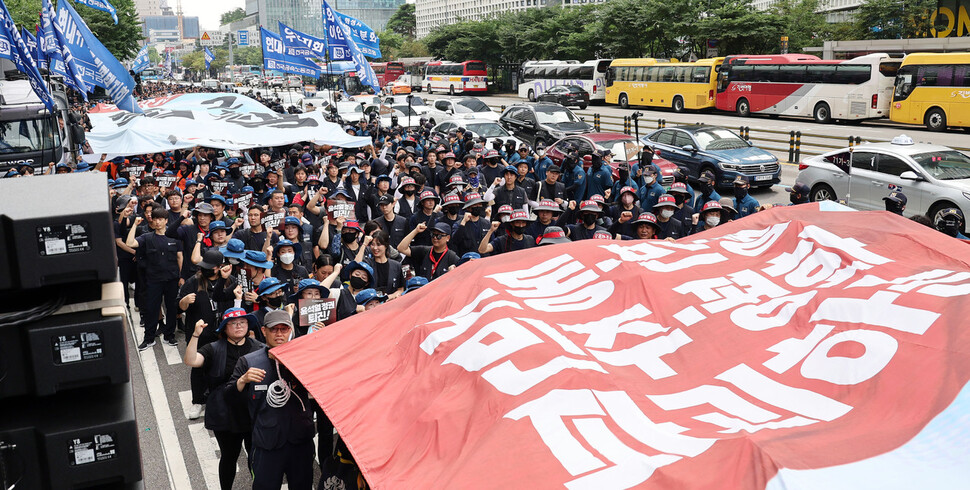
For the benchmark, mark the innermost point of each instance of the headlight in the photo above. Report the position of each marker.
(728, 166)
(557, 134)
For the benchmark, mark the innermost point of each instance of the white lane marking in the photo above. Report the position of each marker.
(178, 475)
(205, 449)
(171, 354)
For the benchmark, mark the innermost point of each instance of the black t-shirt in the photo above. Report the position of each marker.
(161, 256)
(233, 353)
(431, 265)
(380, 272)
(506, 243)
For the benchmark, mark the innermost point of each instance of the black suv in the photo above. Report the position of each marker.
(542, 123)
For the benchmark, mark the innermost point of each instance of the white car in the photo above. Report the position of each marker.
(932, 177)
(460, 108)
(401, 112)
(294, 81)
(479, 127)
(351, 112)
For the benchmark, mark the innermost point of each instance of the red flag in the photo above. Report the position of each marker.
(792, 339)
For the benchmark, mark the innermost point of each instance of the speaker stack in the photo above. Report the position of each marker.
(67, 414)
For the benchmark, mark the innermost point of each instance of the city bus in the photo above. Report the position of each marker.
(467, 76)
(540, 76)
(805, 85)
(151, 74)
(933, 89)
(387, 72)
(653, 83)
(342, 76)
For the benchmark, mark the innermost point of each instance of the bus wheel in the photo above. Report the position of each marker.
(822, 113)
(935, 119)
(624, 101)
(743, 108)
(532, 95)
(451, 90)
(678, 104)
(429, 89)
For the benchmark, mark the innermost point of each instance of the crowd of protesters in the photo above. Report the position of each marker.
(225, 246)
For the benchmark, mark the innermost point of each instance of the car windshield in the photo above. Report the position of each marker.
(623, 150)
(553, 115)
(472, 105)
(944, 165)
(487, 130)
(404, 110)
(719, 139)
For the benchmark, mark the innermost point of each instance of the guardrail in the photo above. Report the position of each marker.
(795, 143)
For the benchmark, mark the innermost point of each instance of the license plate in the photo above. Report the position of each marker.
(762, 177)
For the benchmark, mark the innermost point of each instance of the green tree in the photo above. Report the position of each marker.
(739, 28)
(403, 22)
(801, 22)
(238, 13)
(153, 57)
(122, 39)
(894, 19)
(391, 43)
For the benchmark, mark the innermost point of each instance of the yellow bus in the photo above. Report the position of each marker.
(654, 83)
(933, 89)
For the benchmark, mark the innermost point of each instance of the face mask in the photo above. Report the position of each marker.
(234, 172)
(589, 219)
(275, 302)
(667, 213)
(624, 175)
(649, 179)
(504, 219)
(479, 211)
(408, 192)
(473, 181)
(358, 282)
(707, 189)
(948, 227)
(518, 230)
(349, 237)
(287, 258)
(796, 199)
(212, 274)
(712, 220)
(627, 199)
(542, 153)
(679, 199)
(740, 192)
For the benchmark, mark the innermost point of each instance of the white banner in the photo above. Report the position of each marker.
(227, 121)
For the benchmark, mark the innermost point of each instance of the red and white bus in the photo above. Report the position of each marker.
(451, 77)
(387, 72)
(805, 85)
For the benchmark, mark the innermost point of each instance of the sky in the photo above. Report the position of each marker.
(208, 11)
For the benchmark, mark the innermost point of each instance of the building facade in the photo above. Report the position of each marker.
(190, 25)
(302, 15)
(374, 13)
(834, 10)
(433, 13)
(148, 8)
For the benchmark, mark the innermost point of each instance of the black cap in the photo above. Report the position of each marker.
(554, 168)
(443, 228)
(211, 259)
(385, 199)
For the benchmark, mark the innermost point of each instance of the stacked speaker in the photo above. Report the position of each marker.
(67, 416)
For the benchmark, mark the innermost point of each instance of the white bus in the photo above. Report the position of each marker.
(804, 85)
(539, 76)
(448, 76)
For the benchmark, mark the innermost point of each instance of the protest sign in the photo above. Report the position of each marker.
(314, 311)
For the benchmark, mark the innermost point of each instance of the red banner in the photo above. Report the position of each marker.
(795, 338)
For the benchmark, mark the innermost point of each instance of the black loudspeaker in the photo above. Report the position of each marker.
(56, 231)
(67, 412)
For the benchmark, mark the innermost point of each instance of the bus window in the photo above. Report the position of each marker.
(573, 72)
(904, 83)
(790, 73)
(585, 72)
(701, 74)
(666, 74)
(961, 75)
(476, 66)
(652, 74)
(852, 74)
(889, 68)
(602, 66)
(820, 74)
(764, 73)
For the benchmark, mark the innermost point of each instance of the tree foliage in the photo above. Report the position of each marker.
(894, 19)
(403, 22)
(238, 13)
(121, 40)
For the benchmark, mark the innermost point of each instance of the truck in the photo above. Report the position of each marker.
(29, 133)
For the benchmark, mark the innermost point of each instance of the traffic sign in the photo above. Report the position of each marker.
(243, 38)
(213, 38)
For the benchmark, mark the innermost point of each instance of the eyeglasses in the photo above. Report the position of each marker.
(438, 236)
(279, 329)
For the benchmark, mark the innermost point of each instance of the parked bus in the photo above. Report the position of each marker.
(387, 72)
(804, 85)
(933, 89)
(467, 76)
(414, 71)
(540, 76)
(652, 83)
(342, 76)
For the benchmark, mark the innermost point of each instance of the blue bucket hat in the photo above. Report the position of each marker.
(292, 220)
(468, 256)
(269, 285)
(217, 197)
(256, 259)
(368, 295)
(235, 248)
(83, 167)
(297, 248)
(415, 283)
(309, 284)
(247, 188)
(120, 183)
(218, 225)
(354, 265)
(238, 313)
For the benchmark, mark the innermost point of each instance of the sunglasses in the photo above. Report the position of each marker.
(437, 236)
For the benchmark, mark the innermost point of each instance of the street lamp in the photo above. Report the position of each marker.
(410, 96)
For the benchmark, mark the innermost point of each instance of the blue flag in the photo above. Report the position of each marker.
(276, 57)
(61, 62)
(31, 42)
(364, 36)
(39, 56)
(13, 48)
(208, 57)
(141, 60)
(102, 5)
(113, 76)
(339, 38)
(300, 44)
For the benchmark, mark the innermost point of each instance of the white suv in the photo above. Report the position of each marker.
(932, 177)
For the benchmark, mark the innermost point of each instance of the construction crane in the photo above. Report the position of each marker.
(178, 11)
